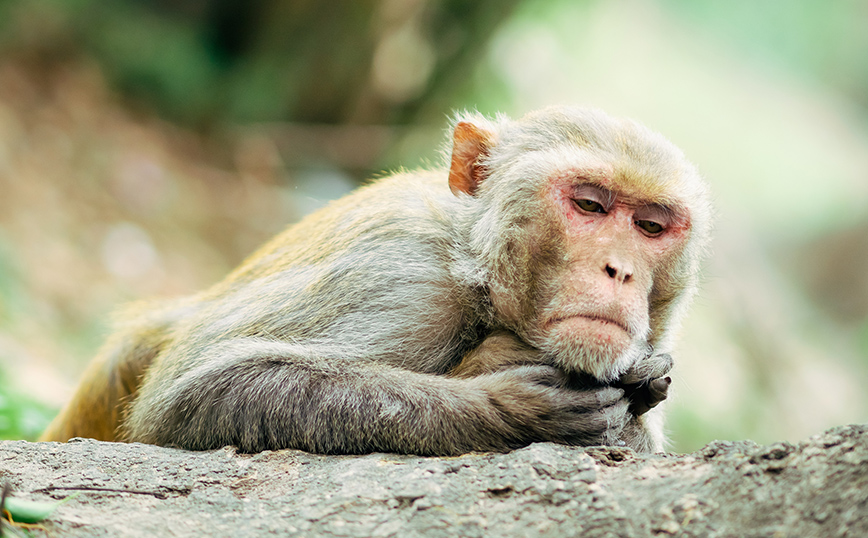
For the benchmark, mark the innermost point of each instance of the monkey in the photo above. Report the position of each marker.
(528, 290)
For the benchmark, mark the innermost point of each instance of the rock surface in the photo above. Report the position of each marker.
(817, 488)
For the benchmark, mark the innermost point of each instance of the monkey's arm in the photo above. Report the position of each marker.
(262, 395)
(498, 351)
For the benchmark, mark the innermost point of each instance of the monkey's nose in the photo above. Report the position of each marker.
(619, 272)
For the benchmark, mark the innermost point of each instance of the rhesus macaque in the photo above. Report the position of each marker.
(527, 292)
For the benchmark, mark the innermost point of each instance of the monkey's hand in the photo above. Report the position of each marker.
(646, 383)
(536, 403)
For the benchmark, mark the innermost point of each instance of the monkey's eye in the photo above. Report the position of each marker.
(590, 206)
(650, 227)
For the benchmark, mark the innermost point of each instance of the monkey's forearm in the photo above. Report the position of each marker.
(344, 408)
(498, 351)
(285, 396)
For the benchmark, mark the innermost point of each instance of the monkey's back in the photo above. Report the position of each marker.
(349, 259)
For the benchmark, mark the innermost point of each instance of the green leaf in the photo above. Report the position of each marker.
(23, 511)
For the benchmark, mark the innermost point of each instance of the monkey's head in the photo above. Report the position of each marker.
(591, 231)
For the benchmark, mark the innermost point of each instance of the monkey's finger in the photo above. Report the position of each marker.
(584, 402)
(661, 364)
(548, 376)
(658, 390)
(639, 406)
(649, 368)
(609, 396)
(601, 427)
(648, 396)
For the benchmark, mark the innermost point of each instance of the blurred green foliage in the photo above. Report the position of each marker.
(21, 417)
(10, 294)
(823, 40)
(210, 61)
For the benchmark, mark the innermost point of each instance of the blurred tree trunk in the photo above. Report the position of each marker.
(347, 61)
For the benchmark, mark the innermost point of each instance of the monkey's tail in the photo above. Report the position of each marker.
(108, 385)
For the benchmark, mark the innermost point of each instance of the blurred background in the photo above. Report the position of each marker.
(148, 146)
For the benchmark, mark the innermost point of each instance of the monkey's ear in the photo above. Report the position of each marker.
(469, 144)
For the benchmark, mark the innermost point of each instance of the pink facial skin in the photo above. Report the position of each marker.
(600, 307)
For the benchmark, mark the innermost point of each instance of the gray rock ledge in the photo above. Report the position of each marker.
(816, 488)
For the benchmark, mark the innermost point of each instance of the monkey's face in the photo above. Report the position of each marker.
(593, 313)
(591, 230)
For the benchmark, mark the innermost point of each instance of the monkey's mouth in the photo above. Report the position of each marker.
(593, 318)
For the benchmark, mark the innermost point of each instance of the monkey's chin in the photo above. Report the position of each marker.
(600, 348)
